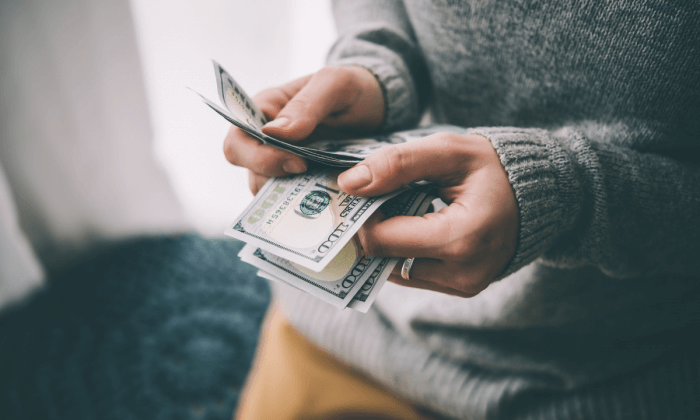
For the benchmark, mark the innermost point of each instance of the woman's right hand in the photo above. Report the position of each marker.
(337, 97)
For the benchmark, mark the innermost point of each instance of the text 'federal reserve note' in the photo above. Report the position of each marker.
(305, 219)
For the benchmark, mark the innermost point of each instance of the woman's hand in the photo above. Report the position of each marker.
(461, 249)
(348, 97)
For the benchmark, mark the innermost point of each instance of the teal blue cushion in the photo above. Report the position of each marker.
(156, 328)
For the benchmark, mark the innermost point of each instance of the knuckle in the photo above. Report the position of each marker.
(255, 181)
(270, 111)
(459, 250)
(300, 110)
(470, 283)
(326, 72)
(230, 151)
(463, 281)
(335, 73)
(343, 78)
(396, 158)
(371, 245)
(444, 141)
(259, 161)
(451, 137)
(299, 104)
(458, 144)
(252, 184)
(264, 96)
(270, 101)
(264, 161)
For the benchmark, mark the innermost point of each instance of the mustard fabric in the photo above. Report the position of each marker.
(293, 380)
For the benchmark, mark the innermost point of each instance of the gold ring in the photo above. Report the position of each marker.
(406, 268)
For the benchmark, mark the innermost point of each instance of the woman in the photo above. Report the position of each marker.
(572, 220)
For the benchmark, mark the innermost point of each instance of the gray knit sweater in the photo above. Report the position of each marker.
(594, 109)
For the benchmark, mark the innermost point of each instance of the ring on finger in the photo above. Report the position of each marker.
(406, 268)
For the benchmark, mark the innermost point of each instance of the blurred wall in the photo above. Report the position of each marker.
(261, 44)
(75, 133)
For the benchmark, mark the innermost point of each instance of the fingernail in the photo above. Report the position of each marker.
(294, 167)
(281, 122)
(357, 177)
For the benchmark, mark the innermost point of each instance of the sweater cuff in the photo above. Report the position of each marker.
(548, 194)
(400, 96)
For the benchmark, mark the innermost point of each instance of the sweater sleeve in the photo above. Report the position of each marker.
(584, 202)
(377, 35)
(587, 194)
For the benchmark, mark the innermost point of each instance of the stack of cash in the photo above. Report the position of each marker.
(300, 230)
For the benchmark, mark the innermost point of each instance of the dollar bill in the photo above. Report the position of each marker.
(240, 110)
(364, 298)
(264, 274)
(352, 279)
(326, 158)
(361, 148)
(236, 100)
(305, 219)
(337, 284)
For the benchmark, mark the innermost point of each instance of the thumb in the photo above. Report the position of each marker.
(437, 158)
(330, 90)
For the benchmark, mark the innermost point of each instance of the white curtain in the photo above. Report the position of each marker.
(75, 132)
(261, 43)
(77, 121)
(20, 271)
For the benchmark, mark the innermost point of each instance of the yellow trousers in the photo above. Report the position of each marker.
(293, 380)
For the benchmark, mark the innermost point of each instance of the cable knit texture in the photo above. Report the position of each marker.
(594, 110)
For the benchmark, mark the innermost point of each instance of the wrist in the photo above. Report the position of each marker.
(372, 98)
(548, 195)
(401, 106)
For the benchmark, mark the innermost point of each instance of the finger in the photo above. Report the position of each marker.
(435, 235)
(255, 181)
(329, 90)
(426, 285)
(271, 101)
(463, 278)
(443, 158)
(243, 150)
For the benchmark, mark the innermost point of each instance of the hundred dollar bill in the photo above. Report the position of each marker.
(236, 100)
(305, 219)
(240, 110)
(320, 156)
(337, 284)
(361, 148)
(364, 298)
(347, 273)
(264, 274)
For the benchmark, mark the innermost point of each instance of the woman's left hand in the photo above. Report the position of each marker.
(463, 247)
